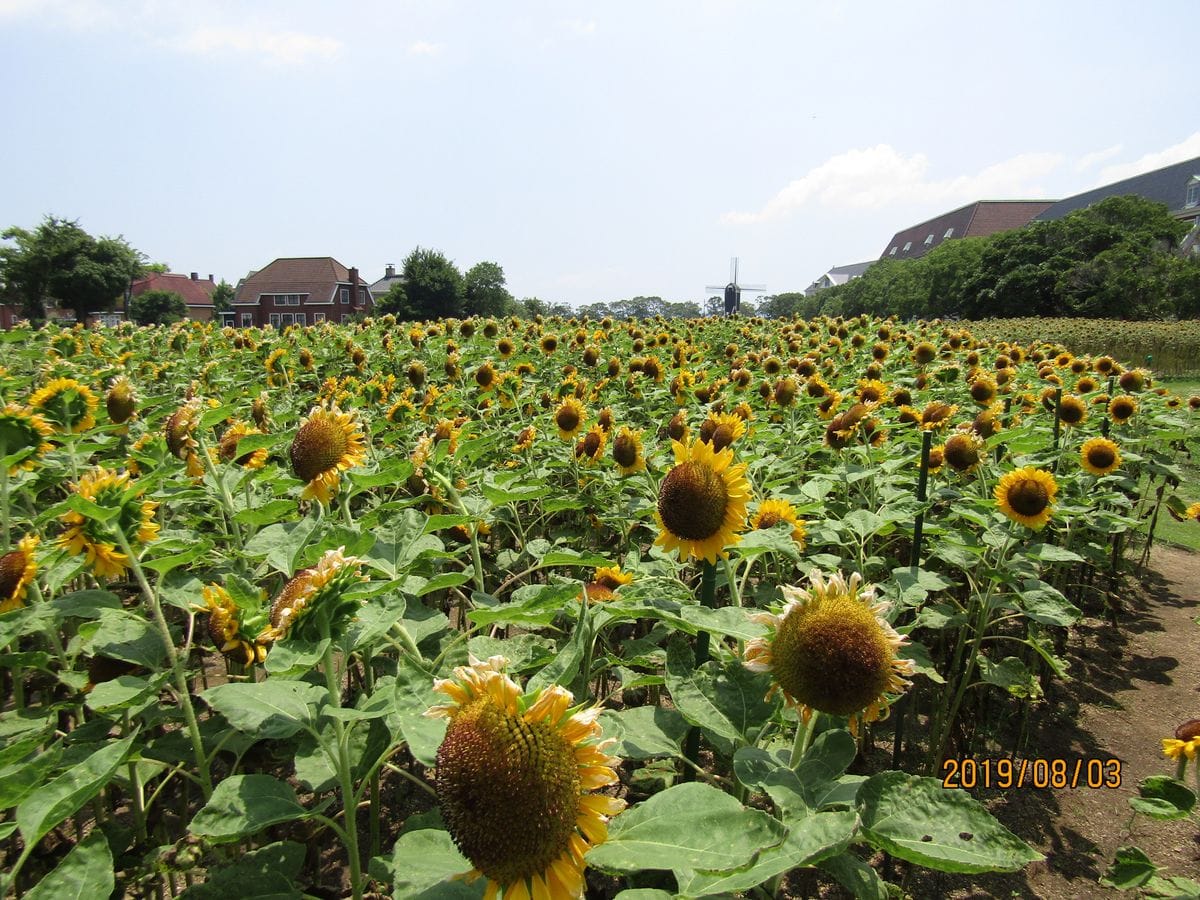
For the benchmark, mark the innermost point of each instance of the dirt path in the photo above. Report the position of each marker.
(1131, 686)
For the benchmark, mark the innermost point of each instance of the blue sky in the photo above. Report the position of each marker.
(594, 150)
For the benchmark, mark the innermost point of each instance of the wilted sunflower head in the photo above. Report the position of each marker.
(785, 391)
(515, 775)
(771, 512)
(329, 441)
(525, 438)
(1099, 455)
(1027, 496)
(230, 626)
(94, 539)
(842, 427)
(180, 429)
(313, 605)
(569, 418)
(17, 569)
(23, 430)
(701, 502)
(66, 404)
(830, 650)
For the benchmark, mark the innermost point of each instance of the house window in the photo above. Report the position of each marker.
(949, 234)
(907, 246)
(274, 317)
(345, 317)
(345, 296)
(247, 320)
(892, 252)
(318, 317)
(301, 318)
(1193, 193)
(928, 239)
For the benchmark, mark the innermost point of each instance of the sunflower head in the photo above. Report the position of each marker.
(605, 583)
(231, 626)
(23, 430)
(963, 451)
(983, 390)
(627, 451)
(94, 539)
(772, 512)
(17, 569)
(1122, 408)
(590, 448)
(701, 502)
(329, 441)
(1027, 496)
(1072, 410)
(313, 605)
(872, 390)
(121, 400)
(66, 404)
(722, 430)
(227, 447)
(831, 650)
(515, 775)
(569, 418)
(525, 438)
(1099, 455)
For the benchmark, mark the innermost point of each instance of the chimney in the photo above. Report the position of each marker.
(390, 271)
(195, 276)
(353, 288)
(210, 278)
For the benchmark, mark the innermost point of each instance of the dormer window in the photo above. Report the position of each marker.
(1193, 193)
(892, 252)
(907, 246)
(949, 234)
(928, 239)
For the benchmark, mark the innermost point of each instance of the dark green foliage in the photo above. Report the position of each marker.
(157, 308)
(432, 288)
(485, 292)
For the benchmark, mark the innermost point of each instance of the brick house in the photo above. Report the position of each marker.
(978, 219)
(300, 291)
(196, 292)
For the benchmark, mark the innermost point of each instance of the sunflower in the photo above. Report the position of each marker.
(1071, 410)
(591, 447)
(485, 377)
(312, 604)
(569, 418)
(1099, 455)
(548, 343)
(515, 775)
(94, 539)
(1122, 408)
(1027, 496)
(843, 427)
(627, 451)
(1132, 380)
(830, 650)
(937, 458)
(701, 502)
(606, 581)
(67, 405)
(525, 438)
(963, 451)
(722, 430)
(227, 446)
(983, 390)
(1193, 512)
(121, 400)
(229, 626)
(17, 570)
(872, 390)
(988, 421)
(329, 441)
(772, 512)
(21, 429)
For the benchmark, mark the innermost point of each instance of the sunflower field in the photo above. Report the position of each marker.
(546, 609)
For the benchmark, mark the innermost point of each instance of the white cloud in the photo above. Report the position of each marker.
(425, 48)
(1090, 159)
(277, 48)
(879, 176)
(73, 13)
(1185, 149)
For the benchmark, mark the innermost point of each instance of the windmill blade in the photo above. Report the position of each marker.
(714, 287)
(733, 270)
(753, 287)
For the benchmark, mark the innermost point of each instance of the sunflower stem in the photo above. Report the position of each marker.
(345, 776)
(182, 688)
(4, 524)
(226, 498)
(804, 736)
(708, 589)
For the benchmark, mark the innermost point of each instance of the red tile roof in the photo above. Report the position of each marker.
(317, 276)
(194, 293)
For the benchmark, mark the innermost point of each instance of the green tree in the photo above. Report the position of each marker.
(395, 301)
(432, 288)
(59, 260)
(157, 308)
(222, 297)
(484, 291)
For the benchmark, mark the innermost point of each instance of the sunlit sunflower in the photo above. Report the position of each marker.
(721, 430)
(1072, 410)
(515, 775)
(121, 400)
(22, 429)
(66, 404)
(988, 421)
(963, 451)
(1133, 380)
(231, 628)
(1186, 742)
(1122, 408)
(1193, 512)
(313, 605)
(627, 451)
(1027, 496)
(1099, 455)
(605, 583)
(329, 441)
(843, 427)
(701, 502)
(17, 569)
(548, 343)
(227, 448)
(772, 512)
(872, 390)
(590, 448)
(95, 539)
(569, 418)
(525, 439)
(830, 650)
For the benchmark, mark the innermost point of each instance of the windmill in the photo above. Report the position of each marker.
(733, 291)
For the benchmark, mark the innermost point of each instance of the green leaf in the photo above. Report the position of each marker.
(728, 701)
(86, 508)
(414, 695)
(274, 708)
(85, 874)
(281, 544)
(644, 894)
(856, 876)
(1010, 674)
(124, 635)
(645, 732)
(269, 871)
(509, 488)
(21, 779)
(1045, 604)
(1163, 797)
(693, 826)
(427, 859)
(727, 621)
(85, 604)
(124, 691)
(1131, 868)
(1051, 553)
(269, 513)
(243, 805)
(47, 807)
(918, 820)
(443, 582)
(164, 564)
(565, 665)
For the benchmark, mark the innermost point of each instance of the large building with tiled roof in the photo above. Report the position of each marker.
(1177, 186)
(196, 292)
(977, 219)
(300, 291)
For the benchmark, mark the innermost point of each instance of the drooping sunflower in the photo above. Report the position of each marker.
(180, 429)
(627, 451)
(329, 441)
(722, 430)
(515, 775)
(121, 400)
(17, 569)
(1027, 496)
(525, 438)
(231, 628)
(1122, 408)
(227, 447)
(771, 512)
(963, 451)
(312, 605)
(69, 406)
(1099, 455)
(605, 583)
(569, 418)
(22, 429)
(94, 539)
(830, 650)
(590, 448)
(701, 502)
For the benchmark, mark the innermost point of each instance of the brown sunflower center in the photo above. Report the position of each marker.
(567, 418)
(508, 790)
(625, 450)
(1028, 497)
(318, 446)
(832, 656)
(1101, 456)
(722, 437)
(961, 453)
(1071, 411)
(768, 519)
(692, 501)
(591, 444)
(12, 567)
